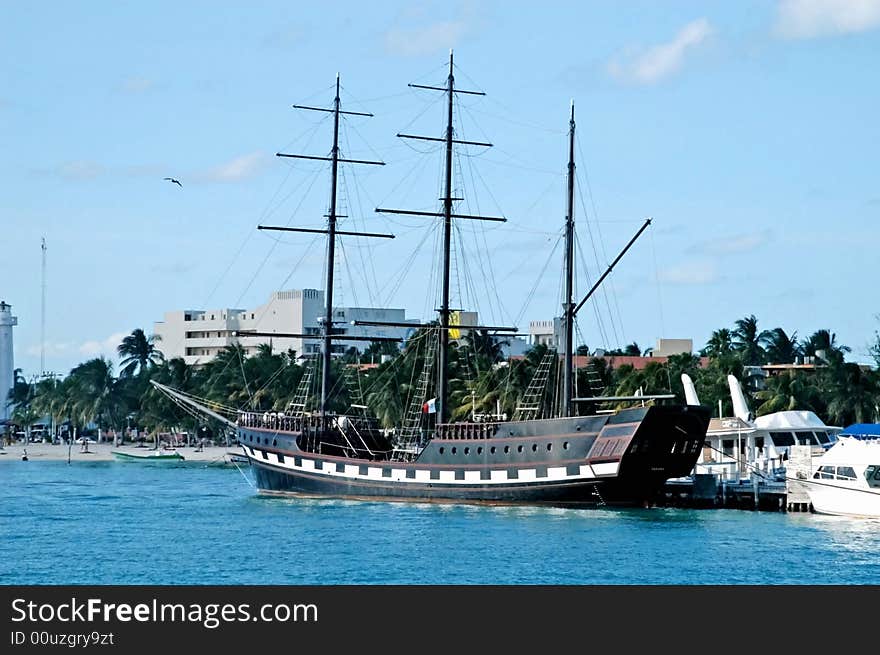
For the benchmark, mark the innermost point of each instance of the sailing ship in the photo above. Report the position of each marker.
(611, 458)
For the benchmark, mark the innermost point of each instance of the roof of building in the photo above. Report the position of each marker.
(616, 361)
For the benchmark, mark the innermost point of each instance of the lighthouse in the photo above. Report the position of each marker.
(7, 365)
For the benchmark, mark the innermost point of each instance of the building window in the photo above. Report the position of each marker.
(727, 447)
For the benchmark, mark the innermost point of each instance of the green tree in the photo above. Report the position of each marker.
(780, 347)
(791, 390)
(747, 340)
(95, 395)
(720, 343)
(138, 353)
(823, 344)
(853, 394)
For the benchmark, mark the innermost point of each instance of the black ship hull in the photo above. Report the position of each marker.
(622, 459)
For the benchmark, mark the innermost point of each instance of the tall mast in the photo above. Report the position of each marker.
(43, 311)
(443, 376)
(447, 215)
(568, 306)
(331, 253)
(332, 233)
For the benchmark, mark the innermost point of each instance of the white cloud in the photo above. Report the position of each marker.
(136, 85)
(695, 272)
(285, 37)
(733, 244)
(805, 19)
(52, 349)
(80, 170)
(425, 40)
(107, 347)
(652, 65)
(237, 169)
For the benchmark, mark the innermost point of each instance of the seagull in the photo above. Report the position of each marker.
(171, 179)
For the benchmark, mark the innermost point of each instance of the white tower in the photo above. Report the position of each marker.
(7, 365)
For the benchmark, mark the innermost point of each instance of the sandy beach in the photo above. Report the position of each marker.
(103, 452)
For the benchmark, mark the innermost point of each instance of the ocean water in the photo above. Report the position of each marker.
(129, 523)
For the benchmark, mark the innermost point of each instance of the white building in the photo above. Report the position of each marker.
(7, 364)
(199, 335)
(546, 333)
(669, 347)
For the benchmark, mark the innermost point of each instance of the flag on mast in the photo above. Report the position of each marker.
(430, 407)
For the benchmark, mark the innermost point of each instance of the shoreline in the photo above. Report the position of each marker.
(103, 452)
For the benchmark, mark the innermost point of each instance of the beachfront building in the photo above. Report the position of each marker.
(198, 335)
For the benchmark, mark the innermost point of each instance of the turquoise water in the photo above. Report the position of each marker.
(127, 523)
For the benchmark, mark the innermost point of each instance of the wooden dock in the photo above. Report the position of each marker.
(709, 491)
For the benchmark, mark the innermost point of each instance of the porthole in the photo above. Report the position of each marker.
(534, 447)
(519, 449)
(442, 450)
(565, 446)
(492, 450)
(549, 447)
(467, 451)
(506, 449)
(480, 450)
(454, 450)
(274, 442)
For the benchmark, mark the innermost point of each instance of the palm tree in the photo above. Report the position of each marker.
(95, 395)
(20, 394)
(747, 340)
(790, 390)
(874, 348)
(823, 344)
(720, 343)
(780, 347)
(138, 353)
(853, 394)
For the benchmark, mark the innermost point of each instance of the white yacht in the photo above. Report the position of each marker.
(847, 480)
(764, 443)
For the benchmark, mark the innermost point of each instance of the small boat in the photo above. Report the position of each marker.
(847, 480)
(148, 456)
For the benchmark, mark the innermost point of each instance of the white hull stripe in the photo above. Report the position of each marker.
(496, 476)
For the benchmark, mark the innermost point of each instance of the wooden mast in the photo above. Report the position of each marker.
(332, 233)
(447, 215)
(568, 306)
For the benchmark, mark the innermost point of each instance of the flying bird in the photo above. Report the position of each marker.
(171, 179)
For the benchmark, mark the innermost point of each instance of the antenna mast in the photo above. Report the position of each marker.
(447, 215)
(43, 310)
(331, 233)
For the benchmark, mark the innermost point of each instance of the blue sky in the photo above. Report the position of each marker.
(747, 130)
